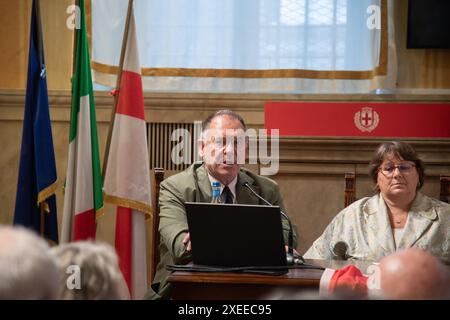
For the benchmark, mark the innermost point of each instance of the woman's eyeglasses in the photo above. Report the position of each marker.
(388, 169)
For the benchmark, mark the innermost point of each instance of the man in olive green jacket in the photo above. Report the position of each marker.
(194, 185)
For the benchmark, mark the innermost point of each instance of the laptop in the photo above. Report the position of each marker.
(236, 235)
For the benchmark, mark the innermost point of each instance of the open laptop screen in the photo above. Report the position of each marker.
(235, 235)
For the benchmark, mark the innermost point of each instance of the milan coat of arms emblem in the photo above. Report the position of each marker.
(366, 120)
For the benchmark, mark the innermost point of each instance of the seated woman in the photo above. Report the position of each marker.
(397, 217)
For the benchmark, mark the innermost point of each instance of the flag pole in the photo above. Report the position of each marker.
(42, 220)
(39, 46)
(117, 88)
(39, 31)
(74, 40)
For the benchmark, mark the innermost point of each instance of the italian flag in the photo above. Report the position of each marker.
(83, 199)
(127, 175)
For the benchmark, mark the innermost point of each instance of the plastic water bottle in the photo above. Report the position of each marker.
(215, 192)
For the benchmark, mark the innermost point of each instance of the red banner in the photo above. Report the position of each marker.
(359, 119)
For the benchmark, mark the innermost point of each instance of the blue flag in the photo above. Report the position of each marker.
(35, 199)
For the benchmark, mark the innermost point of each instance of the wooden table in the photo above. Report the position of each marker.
(223, 285)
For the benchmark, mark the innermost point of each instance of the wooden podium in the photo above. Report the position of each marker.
(236, 286)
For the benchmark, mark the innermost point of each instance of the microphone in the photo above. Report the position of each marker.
(290, 257)
(340, 251)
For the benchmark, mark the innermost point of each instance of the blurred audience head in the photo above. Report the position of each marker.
(99, 273)
(414, 274)
(27, 268)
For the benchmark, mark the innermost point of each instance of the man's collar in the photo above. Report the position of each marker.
(231, 185)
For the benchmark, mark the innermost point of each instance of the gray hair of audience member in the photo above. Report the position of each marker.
(100, 275)
(414, 274)
(27, 268)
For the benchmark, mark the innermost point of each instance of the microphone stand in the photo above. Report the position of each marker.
(290, 255)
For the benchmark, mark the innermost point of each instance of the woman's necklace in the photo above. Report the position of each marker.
(400, 220)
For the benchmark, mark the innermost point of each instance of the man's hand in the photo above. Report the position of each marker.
(295, 251)
(187, 242)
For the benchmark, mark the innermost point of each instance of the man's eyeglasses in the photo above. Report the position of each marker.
(388, 169)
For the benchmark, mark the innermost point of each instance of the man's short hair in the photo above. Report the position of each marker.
(101, 277)
(224, 112)
(27, 268)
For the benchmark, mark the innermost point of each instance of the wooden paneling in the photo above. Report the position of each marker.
(58, 43)
(14, 38)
